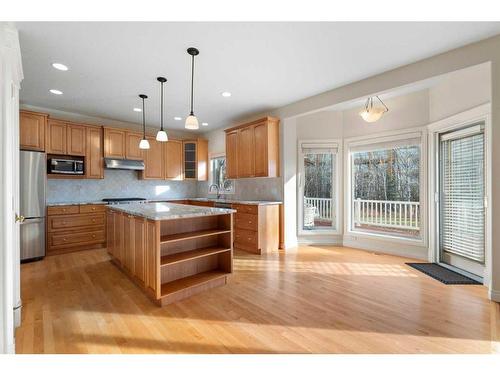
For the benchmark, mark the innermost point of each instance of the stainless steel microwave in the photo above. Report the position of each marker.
(65, 166)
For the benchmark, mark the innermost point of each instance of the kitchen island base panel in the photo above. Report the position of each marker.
(172, 259)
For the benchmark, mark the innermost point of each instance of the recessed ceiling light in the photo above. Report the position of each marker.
(56, 92)
(204, 123)
(177, 118)
(60, 66)
(226, 94)
(137, 110)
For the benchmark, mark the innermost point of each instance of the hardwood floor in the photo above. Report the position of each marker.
(313, 300)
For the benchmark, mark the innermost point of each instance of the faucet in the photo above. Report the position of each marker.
(217, 188)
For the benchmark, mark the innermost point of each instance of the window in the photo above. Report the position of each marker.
(218, 175)
(386, 188)
(318, 191)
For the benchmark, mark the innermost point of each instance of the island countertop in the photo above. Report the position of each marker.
(169, 211)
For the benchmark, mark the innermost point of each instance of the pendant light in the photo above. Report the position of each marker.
(191, 120)
(161, 136)
(371, 113)
(143, 144)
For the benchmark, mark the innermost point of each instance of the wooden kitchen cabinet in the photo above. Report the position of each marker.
(94, 165)
(75, 140)
(173, 160)
(56, 138)
(114, 143)
(252, 149)
(132, 150)
(246, 151)
(256, 227)
(153, 161)
(195, 156)
(32, 126)
(75, 227)
(231, 154)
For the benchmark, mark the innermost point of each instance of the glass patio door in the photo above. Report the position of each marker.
(317, 187)
(462, 199)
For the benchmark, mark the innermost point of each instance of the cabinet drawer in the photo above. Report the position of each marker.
(72, 239)
(91, 208)
(246, 208)
(246, 221)
(246, 239)
(75, 221)
(63, 210)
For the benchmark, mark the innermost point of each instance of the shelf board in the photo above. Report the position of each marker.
(192, 254)
(190, 235)
(190, 281)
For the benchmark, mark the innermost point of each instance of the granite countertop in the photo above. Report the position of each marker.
(169, 211)
(223, 200)
(73, 203)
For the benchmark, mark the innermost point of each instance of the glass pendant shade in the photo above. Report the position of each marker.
(161, 136)
(371, 113)
(192, 123)
(144, 144)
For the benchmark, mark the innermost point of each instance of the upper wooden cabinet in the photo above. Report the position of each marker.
(75, 140)
(154, 161)
(173, 160)
(195, 159)
(132, 150)
(231, 154)
(252, 149)
(94, 166)
(114, 143)
(56, 138)
(32, 126)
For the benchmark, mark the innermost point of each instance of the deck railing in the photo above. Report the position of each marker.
(392, 214)
(324, 207)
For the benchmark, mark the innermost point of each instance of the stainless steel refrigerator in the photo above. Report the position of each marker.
(32, 184)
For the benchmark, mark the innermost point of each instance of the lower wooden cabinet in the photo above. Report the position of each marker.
(127, 241)
(256, 227)
(75, 227)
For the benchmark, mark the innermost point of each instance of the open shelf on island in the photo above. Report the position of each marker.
(192, 254)
(191, 281)
(190, 235)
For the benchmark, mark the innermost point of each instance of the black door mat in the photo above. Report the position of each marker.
(443, 274)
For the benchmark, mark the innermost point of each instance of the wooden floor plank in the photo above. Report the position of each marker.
(317, 299)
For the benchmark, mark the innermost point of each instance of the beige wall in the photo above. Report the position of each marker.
(459, 91)
(320, 125)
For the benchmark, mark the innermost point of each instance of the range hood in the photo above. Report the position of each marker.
(135, 165)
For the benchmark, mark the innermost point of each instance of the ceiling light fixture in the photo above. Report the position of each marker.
(226, 94)
(60, 66)
(55, 92)
(371, 113)
(143, 144)
(161, 136)
(177, 118)
(137, 110)
(204, 123)
(191, 120)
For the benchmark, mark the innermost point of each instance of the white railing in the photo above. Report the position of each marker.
(392, 214)
(324, 207)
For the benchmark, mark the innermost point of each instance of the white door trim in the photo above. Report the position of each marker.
(11, 75)
(462, 119)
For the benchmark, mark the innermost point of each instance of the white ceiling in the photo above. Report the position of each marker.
(263, 65)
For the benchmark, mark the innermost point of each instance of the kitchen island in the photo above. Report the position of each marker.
(171, 251)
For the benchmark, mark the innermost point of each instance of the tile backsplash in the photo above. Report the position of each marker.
(117, 184)
(266, 189)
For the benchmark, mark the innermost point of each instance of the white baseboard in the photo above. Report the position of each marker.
(317, 240)
(385, 247)
(494, 295)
